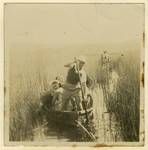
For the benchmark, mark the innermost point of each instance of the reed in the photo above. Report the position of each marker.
(125, 101)
(28, 82)
(25, 93)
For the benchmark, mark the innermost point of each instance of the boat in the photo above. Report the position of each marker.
(69, 118)
(73, 120)
(72, 117)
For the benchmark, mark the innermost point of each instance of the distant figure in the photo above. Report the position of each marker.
(72, 88)
(104, 69)
(121, 65)
(105, 58)
(113, 81)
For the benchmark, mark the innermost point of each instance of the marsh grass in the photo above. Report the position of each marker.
(24, 105)
(125, 101)
(28, 83)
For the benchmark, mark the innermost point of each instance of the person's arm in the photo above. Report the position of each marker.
(69, 65)
(72, 65)
(89, 81)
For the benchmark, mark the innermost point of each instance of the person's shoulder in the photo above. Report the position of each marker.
(115, 75)
(83, 71)
(59, 90)
(72, 65)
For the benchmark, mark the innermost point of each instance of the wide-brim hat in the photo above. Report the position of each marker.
(81, 59)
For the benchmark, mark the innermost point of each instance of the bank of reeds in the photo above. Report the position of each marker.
(25, 90)
(125, 101)
(24, 100)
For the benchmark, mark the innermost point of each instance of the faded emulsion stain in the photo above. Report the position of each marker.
(4, 90)
(74, 145)
(143, 39)
(96, 145)
(142, 75)
(100, 145)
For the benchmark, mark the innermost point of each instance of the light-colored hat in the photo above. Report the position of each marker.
(60, 78)
(81, 58)
(54, 81)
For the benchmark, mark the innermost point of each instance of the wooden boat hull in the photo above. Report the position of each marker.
(68, 117)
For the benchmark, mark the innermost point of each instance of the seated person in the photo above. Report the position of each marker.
(56, 91)
(49, 96)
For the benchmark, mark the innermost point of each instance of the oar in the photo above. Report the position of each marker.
(77, 67)
(86, 131)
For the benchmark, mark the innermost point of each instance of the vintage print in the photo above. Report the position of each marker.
(74, 73)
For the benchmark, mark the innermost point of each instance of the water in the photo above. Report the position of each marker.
(53, 133)
(107, 129)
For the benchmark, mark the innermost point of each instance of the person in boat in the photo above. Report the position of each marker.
(51, 98)
(60, 78)
(47, 96)
(75, 87)
(56, 92)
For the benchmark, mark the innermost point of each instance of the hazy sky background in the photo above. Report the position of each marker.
(58, 25)
(46, 36)
(41, 38)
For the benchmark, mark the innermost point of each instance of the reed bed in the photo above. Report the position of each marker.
(27, 85)
(24, 105)
(124, 101)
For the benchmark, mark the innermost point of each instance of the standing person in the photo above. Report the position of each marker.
(105, 59)
(105, 66)
(113, 81)
(72, 88)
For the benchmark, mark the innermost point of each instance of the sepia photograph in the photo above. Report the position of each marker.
(74, 74)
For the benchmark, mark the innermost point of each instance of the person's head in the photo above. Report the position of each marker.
(55, 84)
(81, 64)
(60, 78)
(81, 61)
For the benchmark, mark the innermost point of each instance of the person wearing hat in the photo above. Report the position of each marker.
(56, 92)
(48, 95)
(72, 87)
(74, 67)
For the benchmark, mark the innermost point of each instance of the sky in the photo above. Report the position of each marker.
(44, 37)
(59, 25)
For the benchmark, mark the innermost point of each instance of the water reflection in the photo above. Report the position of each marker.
(54, 132)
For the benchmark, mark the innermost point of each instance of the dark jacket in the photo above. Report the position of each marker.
(72, 76)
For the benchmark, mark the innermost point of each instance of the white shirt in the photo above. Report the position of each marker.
(83, 76)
